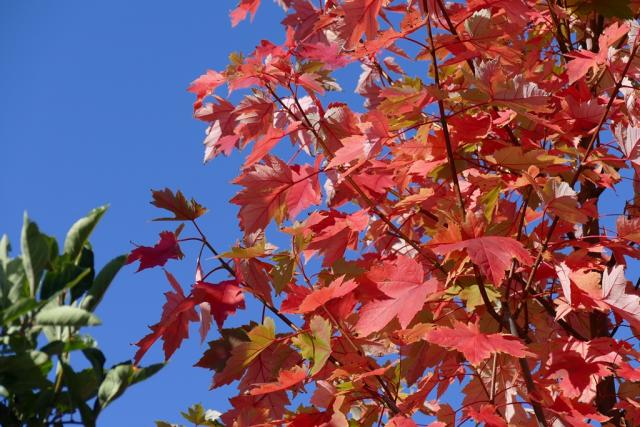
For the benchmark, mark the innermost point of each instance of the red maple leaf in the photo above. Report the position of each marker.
(487, 415)
(402, 281)
(263, 146)
(361, 16)
(492, 254)
(338, 288)
(286, 379)
(473, 344)
(224, 298)
(574, 372)
(353, 148)
(575, 413)
(401, 421)
(273, 189)
(221, 135)
(158, 255)
(244, 8)
(173, 327)
(334, 232)
(254, 117)
(628, 228)
(585, 60)
(330, 54)
(626, 305)
(519, 144)
(205, 85)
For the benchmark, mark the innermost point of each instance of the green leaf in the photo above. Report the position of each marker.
(67, 316)
(260, 338)
(5, 283)
(345, 386)
(471, 295)
(101, 282)
(96, 358)
(25, 371)
(114, 383)
(317, 345)
(85, 260)
(5, 248)
(177, 204)
(194, 414)
(64, 277)
(201, 417)
(81, 230)
(5, 288)
(489, 200)
(122, 376)
(17, 309)
(257, 250)
(282, 271)
(341, 267)
(81, 386)
(54, 347)
(141, 374)
(15, 274)
(87, 383)
(24, 361)
(26, 304)
(35, 252)
(75, 342)
(7, 418)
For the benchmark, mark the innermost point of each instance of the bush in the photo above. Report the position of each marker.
(46, 298)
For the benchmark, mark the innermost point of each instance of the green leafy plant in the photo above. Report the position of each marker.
(47, 297)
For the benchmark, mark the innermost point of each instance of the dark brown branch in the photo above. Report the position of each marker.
(526, 373)
(443, 118)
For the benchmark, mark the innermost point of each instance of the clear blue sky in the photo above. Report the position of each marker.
(93, 110)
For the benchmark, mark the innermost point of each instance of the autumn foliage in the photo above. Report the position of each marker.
(458, 244)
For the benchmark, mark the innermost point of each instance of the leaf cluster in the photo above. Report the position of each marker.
(48, 296)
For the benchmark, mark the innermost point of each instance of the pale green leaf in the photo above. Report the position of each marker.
(317, 345)
(79, 232)
(35, 252)
(67, 316)
(102, 281)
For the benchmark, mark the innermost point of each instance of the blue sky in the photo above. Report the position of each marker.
(94, 110)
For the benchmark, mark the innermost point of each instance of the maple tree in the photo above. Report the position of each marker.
(467, 228)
